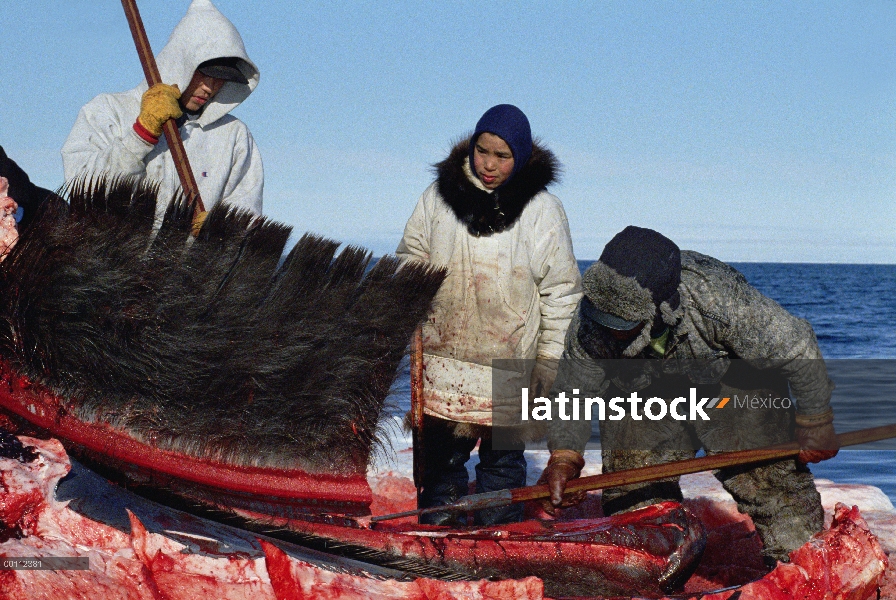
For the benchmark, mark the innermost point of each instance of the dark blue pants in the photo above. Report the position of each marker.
(445, 477)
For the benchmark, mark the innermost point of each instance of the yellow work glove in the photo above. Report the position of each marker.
(563, 466)
(159, 103)
(198, 219)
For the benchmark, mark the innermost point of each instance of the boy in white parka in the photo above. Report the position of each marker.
(207, 74)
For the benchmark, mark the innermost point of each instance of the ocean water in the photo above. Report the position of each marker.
(852, 309)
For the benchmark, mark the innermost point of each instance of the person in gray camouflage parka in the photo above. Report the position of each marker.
(657, 321)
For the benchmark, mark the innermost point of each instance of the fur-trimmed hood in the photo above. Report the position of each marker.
(485, 212)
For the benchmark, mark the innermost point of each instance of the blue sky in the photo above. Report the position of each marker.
(751, 131)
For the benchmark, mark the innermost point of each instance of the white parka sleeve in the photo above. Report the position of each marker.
(414, 243)
(103, 140)
(557, 277)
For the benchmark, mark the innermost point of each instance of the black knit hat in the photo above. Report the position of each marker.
(638, 270)
(511, 125)
(650, 257)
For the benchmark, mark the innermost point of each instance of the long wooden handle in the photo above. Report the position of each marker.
(417, 408)
(643, 474)
(151, 72)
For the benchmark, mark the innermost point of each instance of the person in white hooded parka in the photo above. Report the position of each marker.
(120, 134)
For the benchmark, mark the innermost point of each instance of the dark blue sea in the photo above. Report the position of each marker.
(852, 309)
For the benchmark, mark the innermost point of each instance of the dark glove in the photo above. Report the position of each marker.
(563, 466)
(158, 104)
(543, 374)
(816, 436)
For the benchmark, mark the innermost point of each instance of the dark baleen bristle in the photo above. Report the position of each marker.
(203, 344)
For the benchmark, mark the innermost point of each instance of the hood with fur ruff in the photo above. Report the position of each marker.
(486, 212)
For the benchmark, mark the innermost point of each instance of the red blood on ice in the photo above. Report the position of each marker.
(844, 562)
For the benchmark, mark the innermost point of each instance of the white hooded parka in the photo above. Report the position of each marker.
(223, 156)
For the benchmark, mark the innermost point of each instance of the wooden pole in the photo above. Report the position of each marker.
(172, 135)
(416, 357)
(643, 474)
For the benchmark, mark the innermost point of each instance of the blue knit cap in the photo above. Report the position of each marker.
(510, 124)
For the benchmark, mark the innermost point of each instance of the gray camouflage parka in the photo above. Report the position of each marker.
(720, 317)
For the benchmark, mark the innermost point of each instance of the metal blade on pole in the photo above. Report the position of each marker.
(172, 135)
(643, 474)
